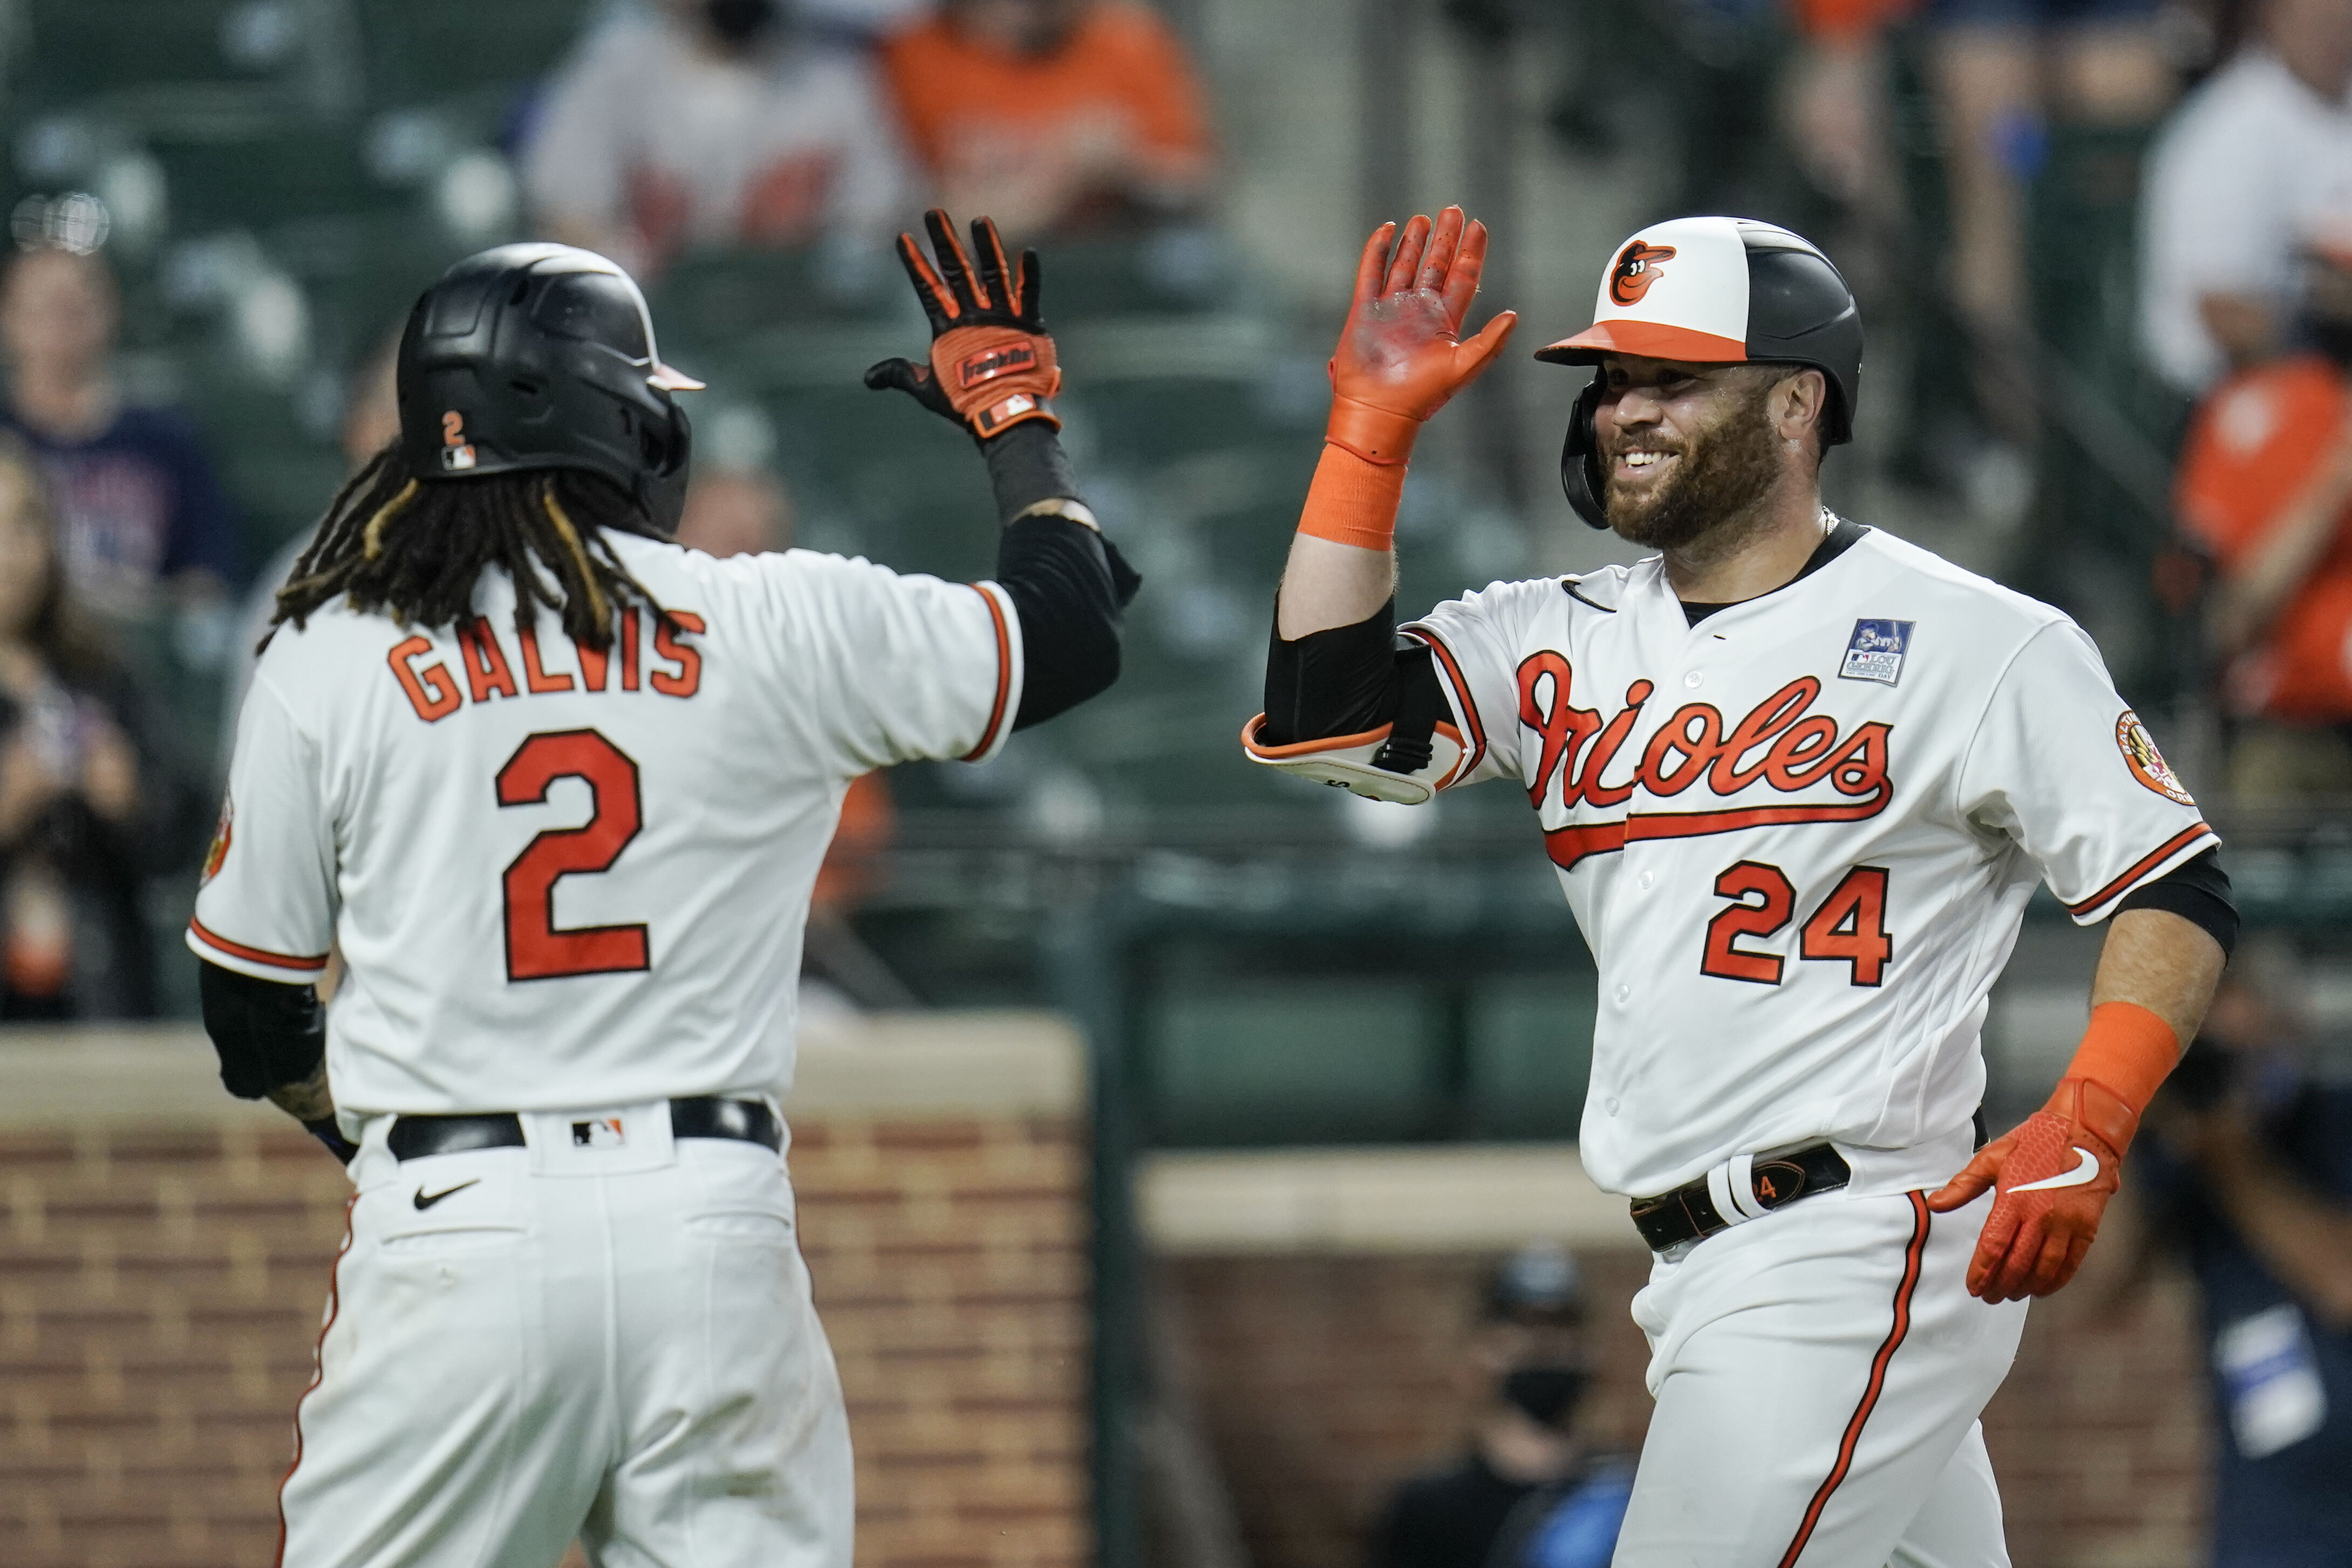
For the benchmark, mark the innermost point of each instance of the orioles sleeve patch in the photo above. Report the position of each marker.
(216, 852)
(2147, 763)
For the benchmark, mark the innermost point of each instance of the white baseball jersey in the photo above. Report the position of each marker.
(562, 878)
(1800, 836)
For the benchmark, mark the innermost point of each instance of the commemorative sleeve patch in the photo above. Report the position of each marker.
(2147, 763)
(1875, 651)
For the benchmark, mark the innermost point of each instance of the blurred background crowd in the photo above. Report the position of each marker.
(2105, 251)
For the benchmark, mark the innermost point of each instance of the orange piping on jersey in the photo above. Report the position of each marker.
(534, 678)
(629, 650)
(689, 679)
(445, 699)
(255, 954)
(2158, 857)
(1904, 1290)
(1004, 674)
(1476, 750)
(318, 1369)
(485, 661)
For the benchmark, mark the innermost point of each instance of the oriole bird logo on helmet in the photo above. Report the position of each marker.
(1637, 269)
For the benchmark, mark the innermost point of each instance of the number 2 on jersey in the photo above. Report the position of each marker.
(536, 948)
(1850, 926)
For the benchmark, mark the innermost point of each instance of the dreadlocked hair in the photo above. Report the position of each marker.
(412, 549)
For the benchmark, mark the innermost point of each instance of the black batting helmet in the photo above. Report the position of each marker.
(1712, 290)
(541, 356)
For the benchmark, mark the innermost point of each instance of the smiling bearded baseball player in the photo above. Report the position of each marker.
(1799, 779)
(558, 790)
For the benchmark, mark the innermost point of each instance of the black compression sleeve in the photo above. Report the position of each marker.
(268, 1034)
(1069, 585)
(2197, 892)
(1026, 465)
(1344, 680)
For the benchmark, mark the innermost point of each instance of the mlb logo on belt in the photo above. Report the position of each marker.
(1875, 651)
(605, 1132)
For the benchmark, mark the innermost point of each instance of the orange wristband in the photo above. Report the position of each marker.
(1353, 502)
(2127, 1050)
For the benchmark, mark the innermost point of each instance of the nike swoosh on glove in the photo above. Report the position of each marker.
(2053, 1177)
(992, 363)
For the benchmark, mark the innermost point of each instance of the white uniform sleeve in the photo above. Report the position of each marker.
(894, 668)
(267, 904)
(1474, 641)
(2059, 764)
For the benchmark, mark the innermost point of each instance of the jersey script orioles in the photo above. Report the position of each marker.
(512, 838)
(1800, 837)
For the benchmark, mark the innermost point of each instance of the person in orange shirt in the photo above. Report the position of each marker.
(2265, 489)
(1052, 115)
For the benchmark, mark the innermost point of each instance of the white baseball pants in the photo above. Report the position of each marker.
(612, 1341)
(1818, 1375)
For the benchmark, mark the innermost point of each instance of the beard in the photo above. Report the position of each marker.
(1725, 472)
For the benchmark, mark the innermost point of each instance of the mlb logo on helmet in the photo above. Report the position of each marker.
(456, 453)
(1875, 651)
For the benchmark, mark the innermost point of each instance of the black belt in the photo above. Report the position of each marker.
(703, 1116)
(1688, 1213)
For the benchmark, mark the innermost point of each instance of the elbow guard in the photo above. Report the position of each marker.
(1378, 764)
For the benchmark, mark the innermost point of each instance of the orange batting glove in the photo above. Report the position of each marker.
(1400, 355)
(992, 363)
(2055, 1174)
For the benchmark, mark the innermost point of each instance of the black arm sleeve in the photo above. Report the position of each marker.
(268, 1034)
(1069, 585)
(2198, 892)
(1345, 680)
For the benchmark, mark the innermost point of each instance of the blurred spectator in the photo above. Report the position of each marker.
(1061, 115)
(736, 511)
(137, 502)
(76, 821)
(371, 421)
(2002, 71)
(712, 122)
(748, 511)
(1527, 1493)
(2266, 492)
(2258, 154)
(1837, 106)
(2250, 1176)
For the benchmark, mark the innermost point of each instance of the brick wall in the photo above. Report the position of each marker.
(161, 1286)
(1323, 1380)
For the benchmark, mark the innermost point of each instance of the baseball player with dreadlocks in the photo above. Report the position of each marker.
(1799, 779)
(558, 790)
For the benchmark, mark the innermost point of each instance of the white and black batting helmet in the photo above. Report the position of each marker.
(1712, 290)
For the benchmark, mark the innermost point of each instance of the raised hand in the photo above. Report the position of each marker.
(992, 363)
(1401, 356)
